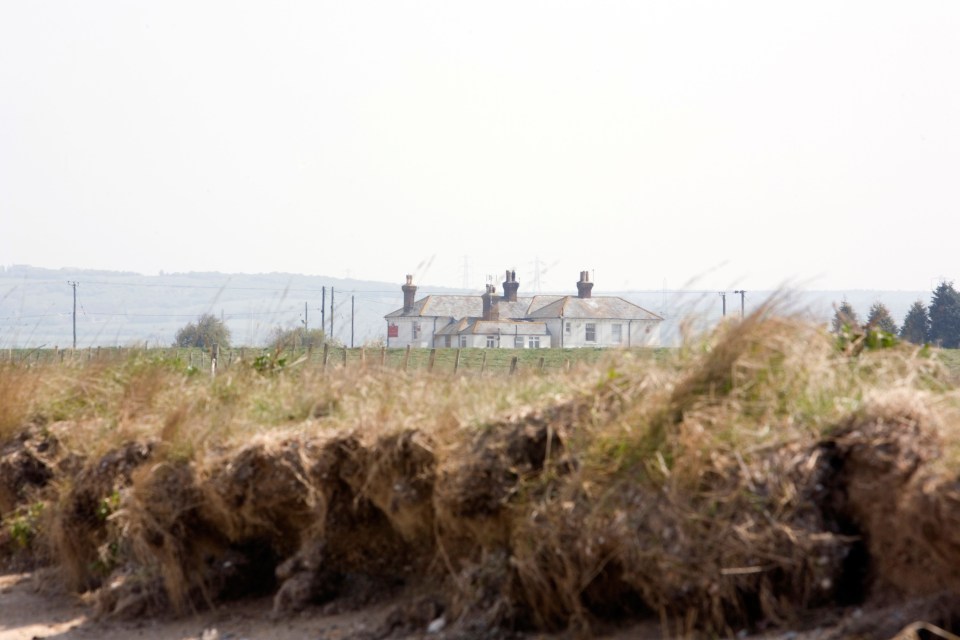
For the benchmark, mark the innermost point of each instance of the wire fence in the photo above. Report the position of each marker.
(327, 357)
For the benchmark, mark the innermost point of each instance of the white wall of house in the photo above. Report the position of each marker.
(576, 333)
(421, 337)
(632, 333)
(504, 341)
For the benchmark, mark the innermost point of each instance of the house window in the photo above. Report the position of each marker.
(591, 332)
(491, 342)
(446, 341)
(616, 333)
(416, 330)
(569, 327)
(518, 342)
(463, 342)
(534, 342)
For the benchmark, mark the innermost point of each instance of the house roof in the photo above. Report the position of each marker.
(601, 307)
(453, 328)
(530, 307)
(458, 306)
(506, 328)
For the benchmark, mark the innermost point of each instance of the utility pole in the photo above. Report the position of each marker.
(743, 295)
(323, 309)
(306, 320)
(74, 285)
(331, 312)
(351, 322)
(723, 296)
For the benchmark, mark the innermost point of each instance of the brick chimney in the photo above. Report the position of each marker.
(409, 294)
(491, 310)
(510, 286)
(584, 287)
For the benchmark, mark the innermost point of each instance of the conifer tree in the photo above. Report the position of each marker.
(845, 316)
(945, 316)
(881, 319)
(916, 324)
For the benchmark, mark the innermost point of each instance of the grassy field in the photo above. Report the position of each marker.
(744, 482)
(471, 361)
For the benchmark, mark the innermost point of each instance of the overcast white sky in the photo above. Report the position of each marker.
(656, 143)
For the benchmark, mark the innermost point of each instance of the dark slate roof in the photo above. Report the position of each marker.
(456, 306)
(601, 307)
(453, 328)
(506, 328)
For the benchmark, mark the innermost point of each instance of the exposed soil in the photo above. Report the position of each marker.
(337, 538)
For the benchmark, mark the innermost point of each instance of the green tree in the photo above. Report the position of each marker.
(845, 316)
(945, 316)
(208, 331)
(296, 338)
(916, 324)
(880, 318)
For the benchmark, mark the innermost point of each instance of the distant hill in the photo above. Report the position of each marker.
(118, 308)
(122, 308)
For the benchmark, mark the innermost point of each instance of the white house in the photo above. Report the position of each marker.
(514, 322)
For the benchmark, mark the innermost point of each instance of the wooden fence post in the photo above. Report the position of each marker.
(456, 363)
(483, 362)
(513, 365)
(344, 357)
(214, 356)
(406, 358)
(326, 354)
(363, 357)
(383, 357)
(541, 363)
(433, 359)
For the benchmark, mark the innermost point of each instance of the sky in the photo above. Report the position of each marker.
(659, 145)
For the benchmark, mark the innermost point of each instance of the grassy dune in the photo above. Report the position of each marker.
(761, 477)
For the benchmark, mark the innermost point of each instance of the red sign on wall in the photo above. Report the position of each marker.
(393, 331)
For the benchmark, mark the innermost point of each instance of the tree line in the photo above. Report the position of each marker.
(938, 323)
(209, 330)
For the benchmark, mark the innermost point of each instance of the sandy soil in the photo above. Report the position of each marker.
(33, 608)
(30, 608)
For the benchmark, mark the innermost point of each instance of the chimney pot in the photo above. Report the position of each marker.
(584, 286)
(510, 286)
(409, 294)
(490, 308)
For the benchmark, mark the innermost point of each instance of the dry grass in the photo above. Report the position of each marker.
(744, 479)
(17, 389)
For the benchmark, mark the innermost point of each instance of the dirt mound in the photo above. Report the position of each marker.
(509, 531)
(81, 530)
(906, 510)
(29, 464)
